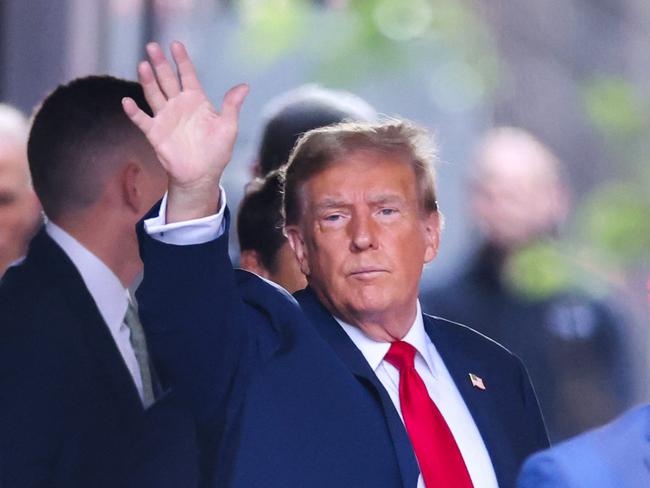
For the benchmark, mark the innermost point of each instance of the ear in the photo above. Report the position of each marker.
(254, 168)
(131, 175)
(250, 261)
(431, 228)
(297, 242)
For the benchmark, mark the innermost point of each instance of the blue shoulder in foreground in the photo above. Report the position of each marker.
(616, 455)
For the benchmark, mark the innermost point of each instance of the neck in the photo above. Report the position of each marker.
(381, 326)
(113, 242)
(385, 329)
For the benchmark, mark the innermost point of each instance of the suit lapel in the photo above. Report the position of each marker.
(460, 365)
(93, 331)
(343, 346)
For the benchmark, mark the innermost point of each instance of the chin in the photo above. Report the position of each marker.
(370, 306)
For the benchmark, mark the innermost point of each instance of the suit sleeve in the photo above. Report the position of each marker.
(195, 321)
(542, 471)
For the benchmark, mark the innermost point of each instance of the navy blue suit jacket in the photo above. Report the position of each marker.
(70, 415)
(285, 399)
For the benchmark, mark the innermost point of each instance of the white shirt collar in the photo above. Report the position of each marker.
(102, 284)
(375, 351)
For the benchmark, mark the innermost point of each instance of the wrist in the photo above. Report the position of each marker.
(192, 201)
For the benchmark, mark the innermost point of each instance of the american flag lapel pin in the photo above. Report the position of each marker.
(477, 381)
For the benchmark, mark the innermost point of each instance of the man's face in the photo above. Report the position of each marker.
(363, 240)
(19, 207)
(518, 197)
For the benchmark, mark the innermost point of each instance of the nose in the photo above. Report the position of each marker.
(363, 233)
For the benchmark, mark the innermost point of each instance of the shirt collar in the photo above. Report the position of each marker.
(375, 351)
(102, 284)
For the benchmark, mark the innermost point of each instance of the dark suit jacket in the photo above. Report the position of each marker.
(70, 415)
(284, 397)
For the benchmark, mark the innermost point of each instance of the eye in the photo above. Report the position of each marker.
(388, 211)
(333, 217)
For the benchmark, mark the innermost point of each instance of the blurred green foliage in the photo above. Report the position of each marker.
(352, 43)
(615, 218)
(539, 271)
(614, 108)
(273, 27)
(610, 232)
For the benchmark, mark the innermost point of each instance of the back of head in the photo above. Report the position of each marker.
(321, 148)
(264, 248)
(79, 136)
(259, 221)
(298, 111)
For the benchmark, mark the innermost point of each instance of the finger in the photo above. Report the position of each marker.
(233, 100)
(186, 69)
(167, 79)
(152, 93)
(137, 116)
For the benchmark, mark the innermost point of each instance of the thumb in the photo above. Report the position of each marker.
(233, 100)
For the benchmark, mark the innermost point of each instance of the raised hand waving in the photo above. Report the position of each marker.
(193, 140)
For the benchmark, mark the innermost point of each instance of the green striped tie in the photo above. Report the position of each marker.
(139, 344)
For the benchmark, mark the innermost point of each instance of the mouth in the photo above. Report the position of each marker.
(367, 273)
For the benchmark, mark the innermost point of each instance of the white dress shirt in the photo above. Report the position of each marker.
(106, 290)
(428, 363)
(441, 388)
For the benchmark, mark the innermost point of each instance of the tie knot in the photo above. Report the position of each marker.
(401, 355)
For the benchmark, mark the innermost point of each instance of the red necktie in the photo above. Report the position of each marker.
(440, 460)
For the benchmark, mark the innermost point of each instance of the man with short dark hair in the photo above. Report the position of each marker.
(351, 385)
(264, 249)
(77, 385)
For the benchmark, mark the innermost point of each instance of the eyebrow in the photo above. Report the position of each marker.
(381, 199)
(386, 198)
(329, 203)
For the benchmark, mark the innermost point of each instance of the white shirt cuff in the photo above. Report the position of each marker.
(188, 232)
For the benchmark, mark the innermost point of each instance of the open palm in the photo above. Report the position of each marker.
(193, 141)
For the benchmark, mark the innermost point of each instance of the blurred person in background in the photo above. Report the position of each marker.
(77, 385)
(264, 249)
(20, 211)
(289, 115)
(572, 345)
